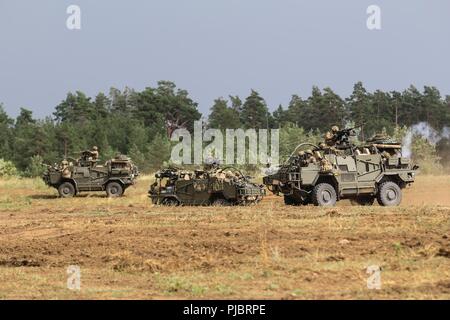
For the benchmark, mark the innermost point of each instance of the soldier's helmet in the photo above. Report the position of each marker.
(95, 148)
(309, 151)
(301, 153)
(335, 129)
(65, 163)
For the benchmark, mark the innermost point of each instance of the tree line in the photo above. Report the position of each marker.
(140, 123)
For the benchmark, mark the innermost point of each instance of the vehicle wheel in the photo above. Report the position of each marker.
(170, 202)
(292, 201)
(220, 202)
(66, 190)
(289, 201)
(114, 190)
(363, 200)
(324, 195)
(306, 201)
(389, 194)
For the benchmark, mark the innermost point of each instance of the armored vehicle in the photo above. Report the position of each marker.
(72, 176)
(217, 186)
(325, 174)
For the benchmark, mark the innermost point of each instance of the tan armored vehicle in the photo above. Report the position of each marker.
(72, 176)
(324, 174)
(211, 186)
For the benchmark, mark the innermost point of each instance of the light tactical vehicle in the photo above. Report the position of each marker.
(84, 174)
(324, 174)
(217, 186)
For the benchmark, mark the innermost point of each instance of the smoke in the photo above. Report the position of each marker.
(424, 130)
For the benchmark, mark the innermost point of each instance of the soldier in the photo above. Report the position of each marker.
(220, 175)
(94, 153)
(330, 137)
(385, 154)
(65, 172)
(229, 175)
(302, 158)
(325, 165)
(310, 156)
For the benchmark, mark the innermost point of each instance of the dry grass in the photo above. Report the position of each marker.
(128, 248)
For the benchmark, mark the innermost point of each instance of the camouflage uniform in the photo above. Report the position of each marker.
(330, 137)
(386, 154)
(65, 171)
(94, 153)
(220, 175)
(325, 165)
(302, 158)
(310, 157)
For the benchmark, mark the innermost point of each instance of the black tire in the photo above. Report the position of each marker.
(324, 195)
(66, 190)
(389, 194)
(294, 201)
(289, 201)
(363, 200)
(306, 201)
(170, 202)
(114, 190)
(220, 202)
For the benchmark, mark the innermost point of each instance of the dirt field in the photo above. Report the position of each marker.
(127, 248)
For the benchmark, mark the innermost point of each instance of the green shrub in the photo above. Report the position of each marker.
(425, 155)
(7, 168)
(35, 167)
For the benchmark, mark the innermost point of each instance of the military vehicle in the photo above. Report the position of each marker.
(210, 186)
(73, 176)
(325, 174)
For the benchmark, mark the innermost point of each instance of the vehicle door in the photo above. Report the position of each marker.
(347, 174)
(194, 191)
(369, 168)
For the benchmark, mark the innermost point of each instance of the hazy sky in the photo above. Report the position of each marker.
(214, 48)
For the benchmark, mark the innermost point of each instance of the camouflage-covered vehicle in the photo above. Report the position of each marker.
(325, 174)
(211, 186)
(72, 176)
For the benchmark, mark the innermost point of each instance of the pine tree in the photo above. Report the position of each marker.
(179, 110)
(5, 134)
(360, 108)
(138, 158)
(331, 111)
(24, 146)
(254, 112)
(298, 112)
(280, 117)
(76, 108)
(101, 106)
(159, 151)
(222, 116)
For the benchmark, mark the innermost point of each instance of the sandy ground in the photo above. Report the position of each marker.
(128, 248)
